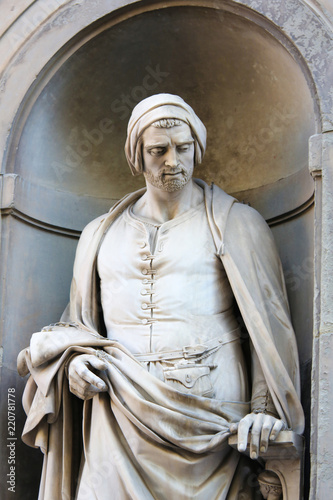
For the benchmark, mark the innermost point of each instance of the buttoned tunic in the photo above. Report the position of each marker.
(142, 439)
(163, 289)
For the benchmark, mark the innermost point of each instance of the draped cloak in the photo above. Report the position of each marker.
(184, 426)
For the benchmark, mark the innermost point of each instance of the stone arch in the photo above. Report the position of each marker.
(45, 34)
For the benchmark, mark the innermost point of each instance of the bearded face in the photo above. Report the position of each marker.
(168, 156)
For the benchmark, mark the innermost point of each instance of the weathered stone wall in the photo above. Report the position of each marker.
(258, 72)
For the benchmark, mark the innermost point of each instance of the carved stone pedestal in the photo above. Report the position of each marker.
(270, 485)
(284, 457)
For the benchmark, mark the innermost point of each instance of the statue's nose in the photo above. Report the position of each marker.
(171, 158)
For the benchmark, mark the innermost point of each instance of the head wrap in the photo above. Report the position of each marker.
(159, 107)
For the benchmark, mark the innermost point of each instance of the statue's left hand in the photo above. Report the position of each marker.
(264, 428)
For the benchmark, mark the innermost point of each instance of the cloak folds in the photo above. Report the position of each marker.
(141, 414)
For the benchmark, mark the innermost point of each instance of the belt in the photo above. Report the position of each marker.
(191, 351)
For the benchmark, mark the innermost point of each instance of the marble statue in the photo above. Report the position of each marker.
(133, 395)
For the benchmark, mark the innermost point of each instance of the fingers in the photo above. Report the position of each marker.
(265, 434)
(261, 426)
(244, 427)
(83, 390)
(97, 363)
(277, 428)
(83, 371)
(264, 428)
(83, 382)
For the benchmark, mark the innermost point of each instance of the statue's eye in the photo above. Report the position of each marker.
(157, 151)
(183, 148)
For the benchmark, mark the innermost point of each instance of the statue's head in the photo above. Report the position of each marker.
(168, 113)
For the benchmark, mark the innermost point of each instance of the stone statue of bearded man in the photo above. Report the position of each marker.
(150, 341)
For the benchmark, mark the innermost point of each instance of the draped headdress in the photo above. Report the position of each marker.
(155, 108)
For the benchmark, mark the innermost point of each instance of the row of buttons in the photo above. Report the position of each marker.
(149, 292)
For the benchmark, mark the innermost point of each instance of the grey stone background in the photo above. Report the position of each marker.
(254, 76)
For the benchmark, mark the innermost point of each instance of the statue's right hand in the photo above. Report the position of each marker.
(83, 382)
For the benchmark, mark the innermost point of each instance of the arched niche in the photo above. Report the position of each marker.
(244, 78)
(248, 88)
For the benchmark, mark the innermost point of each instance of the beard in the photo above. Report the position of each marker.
(167, 183)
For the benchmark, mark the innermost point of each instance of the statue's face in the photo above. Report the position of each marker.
(168, 157)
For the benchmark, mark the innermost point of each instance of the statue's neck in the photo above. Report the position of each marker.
(160, 206)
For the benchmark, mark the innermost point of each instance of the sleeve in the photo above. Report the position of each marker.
(261, 399)
(255, 274)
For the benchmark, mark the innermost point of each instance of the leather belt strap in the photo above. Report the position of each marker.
(190, 351)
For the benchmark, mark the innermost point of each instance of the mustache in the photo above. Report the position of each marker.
(176, 170)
